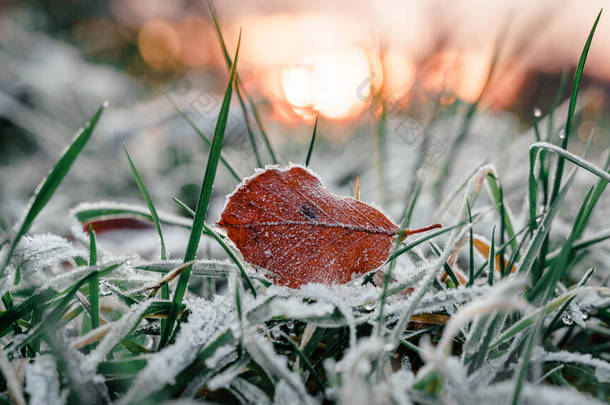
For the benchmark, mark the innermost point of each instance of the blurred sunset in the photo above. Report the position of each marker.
(332, 60)
(304, 202)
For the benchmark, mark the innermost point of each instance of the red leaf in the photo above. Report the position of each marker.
(287, 222)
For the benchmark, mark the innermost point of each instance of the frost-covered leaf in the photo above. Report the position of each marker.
(286, 221)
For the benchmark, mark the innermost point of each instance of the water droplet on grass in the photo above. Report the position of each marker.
(567, 318)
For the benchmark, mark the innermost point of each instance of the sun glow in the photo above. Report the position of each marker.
(334, 84)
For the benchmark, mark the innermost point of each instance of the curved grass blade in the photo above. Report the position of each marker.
(234, 258)
(577, 160)
(148, 201)
(529, 320)
(311, 143)
(305, 360)
(47, 188)
(582, 244)
(542, 230)
(446, 266)
(203, 201)
(559, 268)
(572, 107)
(259, 122)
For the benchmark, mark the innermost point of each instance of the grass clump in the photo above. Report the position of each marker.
(521, 327)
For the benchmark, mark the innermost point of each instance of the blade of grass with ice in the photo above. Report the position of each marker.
(148, 201)
(239, 90)
(203, 201)
(52, 320)
(94, 283)
(311, 143)
(572, 107)
(47, 188)
(225, 247)
(577, 160)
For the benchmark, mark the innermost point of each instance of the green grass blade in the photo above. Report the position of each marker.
(492, 258)
(305, 360)
(239, 89)
(563, 84)
(94, 283)
(205, 140)
(543, 174)
(558, 270)
(542, 230)
(529, 320)
(577, 160)
(497, 195)
(184, 207)
(523, 369)
(203, 201)
(446, 266)
(11, 315)
(47, 188)
(53, 319)
(259, 122)
(572, 107)
(410, 207)
(311, 143)
(471, 249)
(419, 241)
(225, 247)
(148, 201)
(155, 219)
(579, 245)
(234, 258)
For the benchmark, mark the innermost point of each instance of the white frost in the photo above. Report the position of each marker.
(42, 382)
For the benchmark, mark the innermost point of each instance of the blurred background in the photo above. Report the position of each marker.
(402, 89)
